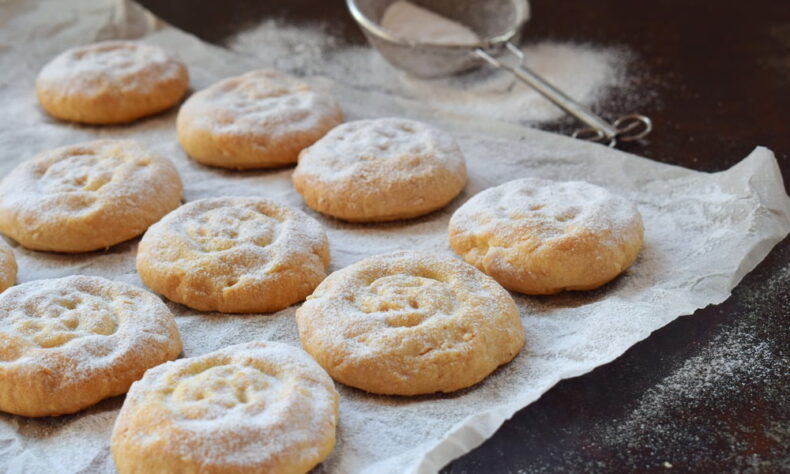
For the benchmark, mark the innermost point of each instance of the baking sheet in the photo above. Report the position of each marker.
(704, 232)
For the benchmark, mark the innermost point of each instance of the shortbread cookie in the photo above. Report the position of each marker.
(111, 82)
(7, 266)
(410, 323)
(261, 119)
(248, 408)
(540, 237)
(66, 344)
(380, 170)
(87, 197)
(234, 255)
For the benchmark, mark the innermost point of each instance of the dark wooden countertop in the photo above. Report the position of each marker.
(706, 393)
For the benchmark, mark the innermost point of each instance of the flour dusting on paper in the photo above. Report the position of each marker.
(590, 74)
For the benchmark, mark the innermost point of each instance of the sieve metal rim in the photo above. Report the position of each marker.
(372, 27)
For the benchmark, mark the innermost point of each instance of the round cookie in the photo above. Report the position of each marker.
(248, 408)
(234, 255)
(410, 323)
(69, 343)
(380, 170)
(87, 197)
(541, 237)
(111, 82)
(7, 266)
(261, 119)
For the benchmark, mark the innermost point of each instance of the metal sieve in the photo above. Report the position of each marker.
(499, 23)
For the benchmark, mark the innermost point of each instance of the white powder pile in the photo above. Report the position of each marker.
(409, 22)
(586, 72)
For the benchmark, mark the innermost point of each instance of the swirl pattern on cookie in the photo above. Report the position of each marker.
(538, 236)
(255, 407)
(86, 197)
(261, 119)
(380, 170)
(68, 343)
(7, 266)
(234, 255)
(410, 323)
(111, 82)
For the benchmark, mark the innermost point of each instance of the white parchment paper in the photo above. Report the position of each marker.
(704, 232)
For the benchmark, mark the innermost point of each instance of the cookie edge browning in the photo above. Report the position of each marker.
(575, 255)
(240, 151)
(104, 228)
(375, 377)
(129, 457)
(384, 203)
(8, 262)
(110, 107)
(31, 393)
(267, 296)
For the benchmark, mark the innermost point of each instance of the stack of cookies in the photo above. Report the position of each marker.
(404, 323)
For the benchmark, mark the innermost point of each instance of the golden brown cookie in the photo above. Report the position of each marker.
(7, 266)
(410, 323)
(111, 82)
(248, 408)
(69, 343)
(234, 255)
(87, 197)
(261, 119)
(380, 170)
(541, 237)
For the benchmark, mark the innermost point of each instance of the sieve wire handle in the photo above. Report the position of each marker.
(626, 128)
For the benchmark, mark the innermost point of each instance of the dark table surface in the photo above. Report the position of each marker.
(708, 392)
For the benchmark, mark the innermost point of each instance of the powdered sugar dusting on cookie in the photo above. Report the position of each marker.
(410, 323)
(115, 187)
(385, 149)
(91, 321)
(261, 405)
(7, 266)
(247, 227)
(232, 254)
(119, 65)
(260, 102)
(69, 332)
(556, 208)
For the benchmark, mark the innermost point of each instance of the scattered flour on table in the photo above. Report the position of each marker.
(738, 367)
(593, 75)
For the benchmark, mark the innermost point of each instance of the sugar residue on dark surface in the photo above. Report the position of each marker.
(715, 392)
